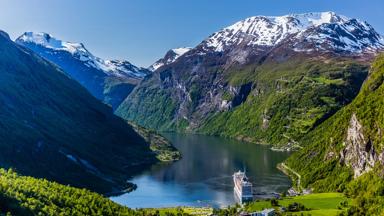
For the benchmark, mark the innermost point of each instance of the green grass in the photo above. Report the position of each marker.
(327, 81)
(319, 204)
(322, 212)
(185, 210)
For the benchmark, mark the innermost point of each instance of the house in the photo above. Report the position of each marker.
(265, 212)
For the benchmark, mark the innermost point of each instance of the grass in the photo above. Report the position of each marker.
(327, 81)
(322, 212)
(203, 211)
(319, 203)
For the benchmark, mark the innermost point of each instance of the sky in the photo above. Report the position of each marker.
(141, 31)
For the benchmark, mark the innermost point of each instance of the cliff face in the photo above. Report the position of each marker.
(359, 153)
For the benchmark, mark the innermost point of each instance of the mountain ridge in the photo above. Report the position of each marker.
(271, 30)
(108, 80)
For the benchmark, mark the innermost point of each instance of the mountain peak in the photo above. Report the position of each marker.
(120, 68)
(4, 34)
(169, 57)
(353, 34)
(48, 41)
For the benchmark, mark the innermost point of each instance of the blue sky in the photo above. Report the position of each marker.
(141, 31)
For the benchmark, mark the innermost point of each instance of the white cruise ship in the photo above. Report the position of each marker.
(242, 188)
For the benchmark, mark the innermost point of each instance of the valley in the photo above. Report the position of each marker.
(203, 176)
(294, 103)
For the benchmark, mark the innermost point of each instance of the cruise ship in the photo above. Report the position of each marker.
(242, 188)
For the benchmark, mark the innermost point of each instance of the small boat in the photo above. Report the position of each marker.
(242, 188)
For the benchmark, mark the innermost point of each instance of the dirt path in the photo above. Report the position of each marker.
(295, 173)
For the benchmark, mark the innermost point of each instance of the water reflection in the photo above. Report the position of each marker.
(204, 175)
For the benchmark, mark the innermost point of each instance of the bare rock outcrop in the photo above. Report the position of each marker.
(359, 152)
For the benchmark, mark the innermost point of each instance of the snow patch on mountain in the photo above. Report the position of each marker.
(118, 68)
(181, 51)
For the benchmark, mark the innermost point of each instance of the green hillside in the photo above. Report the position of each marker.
(22, 195)
(290, 99)
(51, 127)
(345, 152)
(274, 102)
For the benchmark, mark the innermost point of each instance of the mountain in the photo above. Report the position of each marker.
(169, 57)
(345, 153)
(52, 127)
(262, 79)
(108, 80)
(325, 31)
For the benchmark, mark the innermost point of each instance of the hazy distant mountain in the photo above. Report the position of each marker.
(262, 79)
(108, 80)
(52, 127)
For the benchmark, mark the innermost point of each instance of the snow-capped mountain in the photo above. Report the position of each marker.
(119, 68)
(326, 30)
(169, 57)
(259, 71)
(108, 80)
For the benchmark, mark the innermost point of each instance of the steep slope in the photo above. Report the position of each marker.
(346, 152)
(169, 57)
(51, 127)
(23, 195)
(263, 79)
(109, 80)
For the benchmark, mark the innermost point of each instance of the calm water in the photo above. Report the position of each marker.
(203, 177)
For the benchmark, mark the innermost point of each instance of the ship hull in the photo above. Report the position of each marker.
(242, 189)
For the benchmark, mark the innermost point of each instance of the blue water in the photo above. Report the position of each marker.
(203, 177)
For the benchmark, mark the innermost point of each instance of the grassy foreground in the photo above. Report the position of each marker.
(316, 204)
(181, 211)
